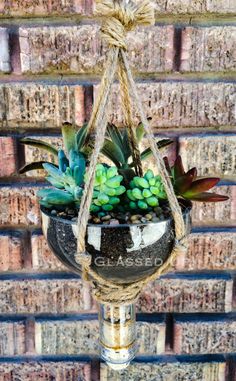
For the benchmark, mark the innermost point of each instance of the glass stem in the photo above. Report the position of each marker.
(117, 326)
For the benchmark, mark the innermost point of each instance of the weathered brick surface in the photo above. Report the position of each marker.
(40, 105)
(44, 371)
(209, 251)
(182, 104)
(41, 296)
(44, 7)
(19, 206)
(193, 7)
(216, 214)
(5, 65)
(213, 155)
(187, 295)
(79, 49)
(33, 154)
(198, 337)
(166, 371)
(12, 338)
(12, 249)
(7, 156)
(208, 49)
(42, 257)
(81, 337)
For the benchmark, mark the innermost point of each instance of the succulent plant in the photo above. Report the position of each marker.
(117, 148)
(107, 189)
(145, 192)
(188, 186)
(72, 140)
(67, 179)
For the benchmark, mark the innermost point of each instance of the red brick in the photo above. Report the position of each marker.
(12, 338)
(12, 247)
(204, 337)
(181, 104)
(208, 49)
(181, 371)
(194, 7)
(44, 8)
(213, 155)
(42, 296)
(42, 257)
(19, 206)
(5, 65)
(7, 156)
(79, 337)
(44, 371)
(209, 251)
(40, 105)
(79, 49)
(187, 295)
(216, 214)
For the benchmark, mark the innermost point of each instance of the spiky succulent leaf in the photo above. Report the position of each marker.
(55, 183)
(62, 160)
(69, 137)
(202, 185)
(33, 166)
(81, 137)
(115, 136)
(207, 197)
(113, 152)
(40, 144)
(178, 168)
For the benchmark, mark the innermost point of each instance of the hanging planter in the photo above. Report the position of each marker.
(115, 225)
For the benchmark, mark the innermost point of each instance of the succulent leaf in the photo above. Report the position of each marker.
(69, 137)
(62, 160)
(207, 197)
(33, 166)
(202, 185)
(81, 137)
(40, 144)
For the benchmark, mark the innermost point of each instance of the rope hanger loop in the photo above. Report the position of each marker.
(120, 17)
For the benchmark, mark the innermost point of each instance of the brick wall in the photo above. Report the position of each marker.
(51, 59)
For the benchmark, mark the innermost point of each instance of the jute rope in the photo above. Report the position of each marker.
(119, 19)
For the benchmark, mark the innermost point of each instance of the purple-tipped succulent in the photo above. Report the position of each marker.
(188, 186)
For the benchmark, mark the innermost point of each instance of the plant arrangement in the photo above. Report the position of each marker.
(119, 196)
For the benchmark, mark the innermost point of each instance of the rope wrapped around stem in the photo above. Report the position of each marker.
(119, 18)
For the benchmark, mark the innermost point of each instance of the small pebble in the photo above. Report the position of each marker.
(114, 222)
(96, 220)
(148, 217)
(106, 218)
(74, 219)
(71, 212)
(158, 210)
(135, 222)
(53, 212)
(143, 220)
(162, 217)
(134, 217)
(155, 219)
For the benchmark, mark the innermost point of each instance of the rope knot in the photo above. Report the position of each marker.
(121, 17)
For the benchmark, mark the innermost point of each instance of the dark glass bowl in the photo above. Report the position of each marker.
(120, 253)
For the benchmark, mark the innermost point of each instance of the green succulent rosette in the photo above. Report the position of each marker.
(145, 192)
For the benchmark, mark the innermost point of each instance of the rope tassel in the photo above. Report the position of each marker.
(120, 18)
